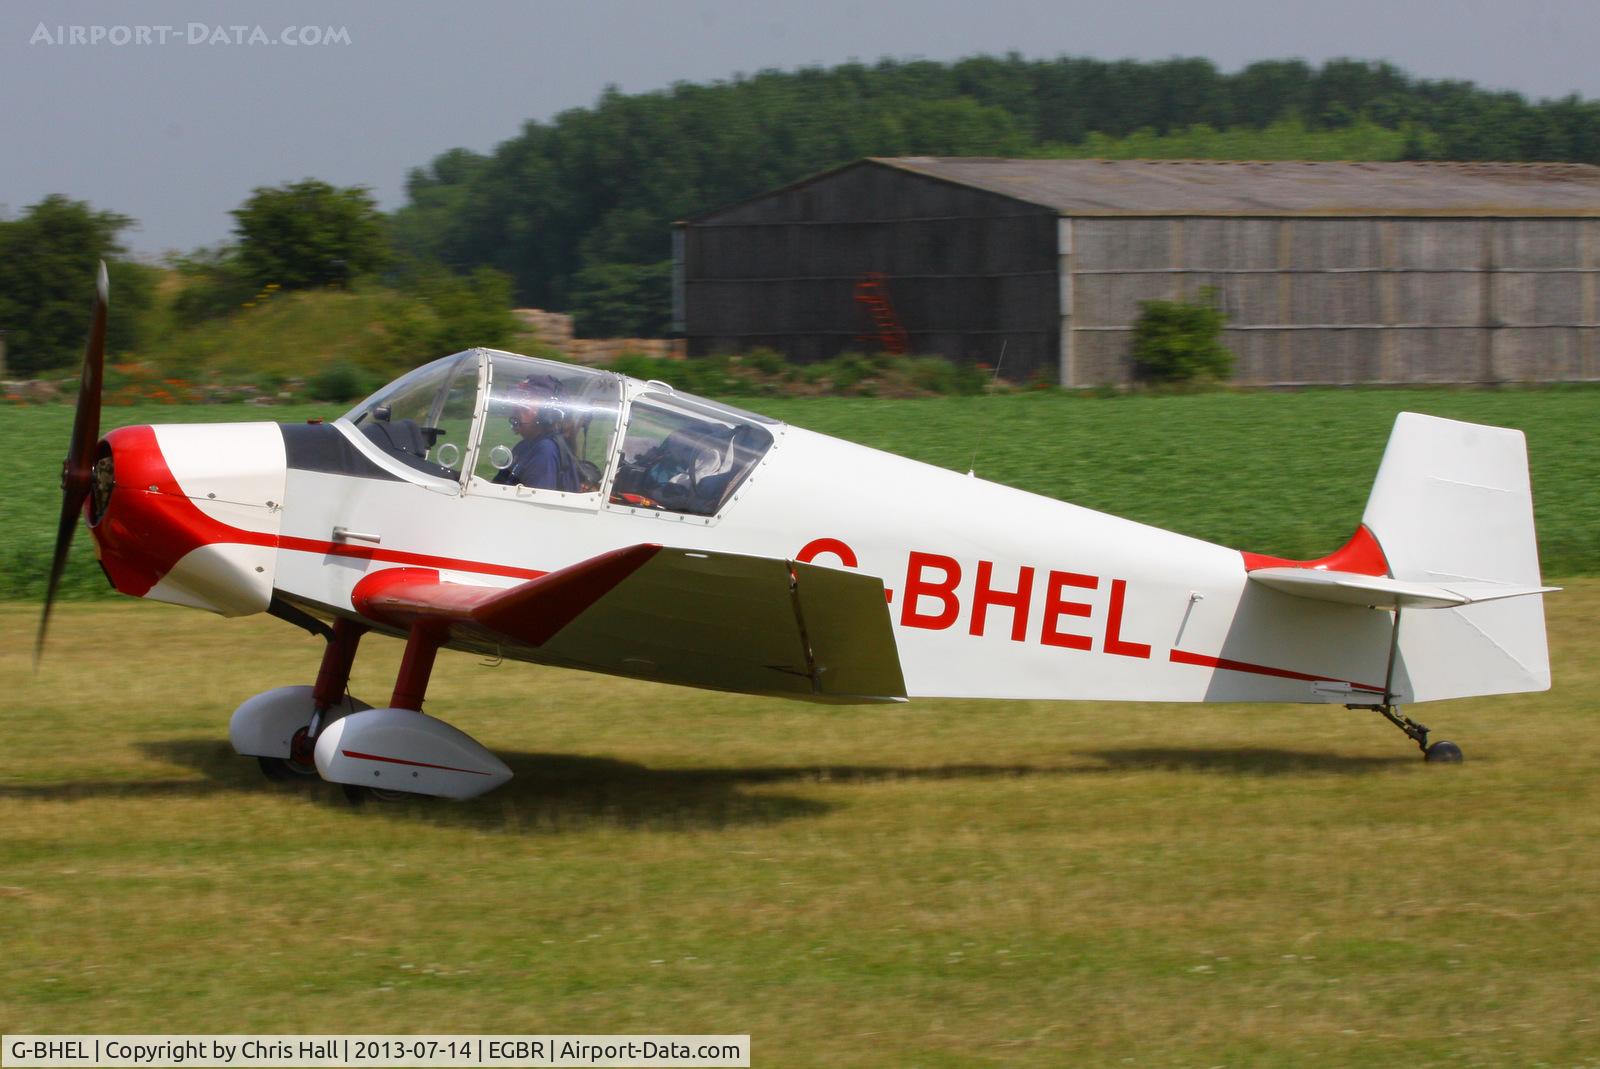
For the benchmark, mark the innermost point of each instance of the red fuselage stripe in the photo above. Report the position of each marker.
(1204, 660)
(151, 524)
(396, 556)
(402, 761)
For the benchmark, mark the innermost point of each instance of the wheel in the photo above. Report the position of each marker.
(1443, 752)
(299, 765)
(285, 770)
(361, 795)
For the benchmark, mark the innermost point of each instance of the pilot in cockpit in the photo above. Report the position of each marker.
(543, 459)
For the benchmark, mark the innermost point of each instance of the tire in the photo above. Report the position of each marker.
(1443, 752)
(283, 770)
(356, 795)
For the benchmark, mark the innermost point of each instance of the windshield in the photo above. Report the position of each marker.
(686, 454)
(424, 418)
(547, 426)
(549, 432)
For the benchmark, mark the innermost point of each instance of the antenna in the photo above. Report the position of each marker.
(972, 469)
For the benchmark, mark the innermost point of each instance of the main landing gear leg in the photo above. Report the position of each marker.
(1443, 751)
(333, 677)
(411, 684)
(410, 689)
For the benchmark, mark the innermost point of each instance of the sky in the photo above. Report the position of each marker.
(167, 113)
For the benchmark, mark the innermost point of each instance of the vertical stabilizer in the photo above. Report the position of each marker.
(1453, 503)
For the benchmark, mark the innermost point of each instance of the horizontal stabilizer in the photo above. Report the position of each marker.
(1381, 592)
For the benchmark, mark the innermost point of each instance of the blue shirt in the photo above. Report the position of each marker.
(542, 464)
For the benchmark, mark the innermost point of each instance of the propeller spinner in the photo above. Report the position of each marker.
(77, 471)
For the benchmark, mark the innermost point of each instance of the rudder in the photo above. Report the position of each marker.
(1453, 503)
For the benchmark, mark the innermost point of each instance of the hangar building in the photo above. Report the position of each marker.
(1329, 272)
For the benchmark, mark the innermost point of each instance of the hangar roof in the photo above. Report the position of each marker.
(1222, 187)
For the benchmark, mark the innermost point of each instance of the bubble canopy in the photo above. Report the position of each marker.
(500, 424)
(547, 426)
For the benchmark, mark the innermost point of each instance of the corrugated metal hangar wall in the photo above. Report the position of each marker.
(966, 270)
(1330, 273)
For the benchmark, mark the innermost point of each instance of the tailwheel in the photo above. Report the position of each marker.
(1439, 753)
(1443, 752)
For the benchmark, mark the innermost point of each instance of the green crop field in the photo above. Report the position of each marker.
(938, 884)
(1280, 473)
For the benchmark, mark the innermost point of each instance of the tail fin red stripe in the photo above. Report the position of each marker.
(1361, 555)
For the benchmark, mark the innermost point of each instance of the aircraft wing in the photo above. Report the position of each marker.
(699, 618)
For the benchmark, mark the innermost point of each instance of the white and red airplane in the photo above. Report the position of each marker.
(569, 516)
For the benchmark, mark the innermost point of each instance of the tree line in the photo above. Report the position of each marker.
(580, 207)
(575, 213)
(306, 235)
(47, 271)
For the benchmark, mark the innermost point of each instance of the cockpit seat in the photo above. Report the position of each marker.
(405, 440)
(742, 449)
(400, 436)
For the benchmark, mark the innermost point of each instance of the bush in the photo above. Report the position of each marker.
(766, 362)
(709, 375)
(339, 382)
(213, 286)
(435, 312)
(848, 373)
(940, 376)
(623, 300)
(1181, 341)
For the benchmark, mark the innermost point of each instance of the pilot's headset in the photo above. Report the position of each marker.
(545, 392)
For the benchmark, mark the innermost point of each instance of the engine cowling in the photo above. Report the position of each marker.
(191, 514)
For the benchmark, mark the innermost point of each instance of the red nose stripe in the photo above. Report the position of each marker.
(151, 524)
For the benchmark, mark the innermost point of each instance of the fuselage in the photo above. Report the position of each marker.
(992, 591)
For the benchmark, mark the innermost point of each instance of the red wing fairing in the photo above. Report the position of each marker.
(718, 620)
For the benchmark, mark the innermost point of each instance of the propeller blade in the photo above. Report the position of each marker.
(77, 471)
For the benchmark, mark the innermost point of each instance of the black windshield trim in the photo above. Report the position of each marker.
(323, 447)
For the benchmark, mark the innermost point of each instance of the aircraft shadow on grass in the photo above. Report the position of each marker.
(558, 792)
(1245, 761)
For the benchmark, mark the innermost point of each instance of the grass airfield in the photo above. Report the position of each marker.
(940, 884)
